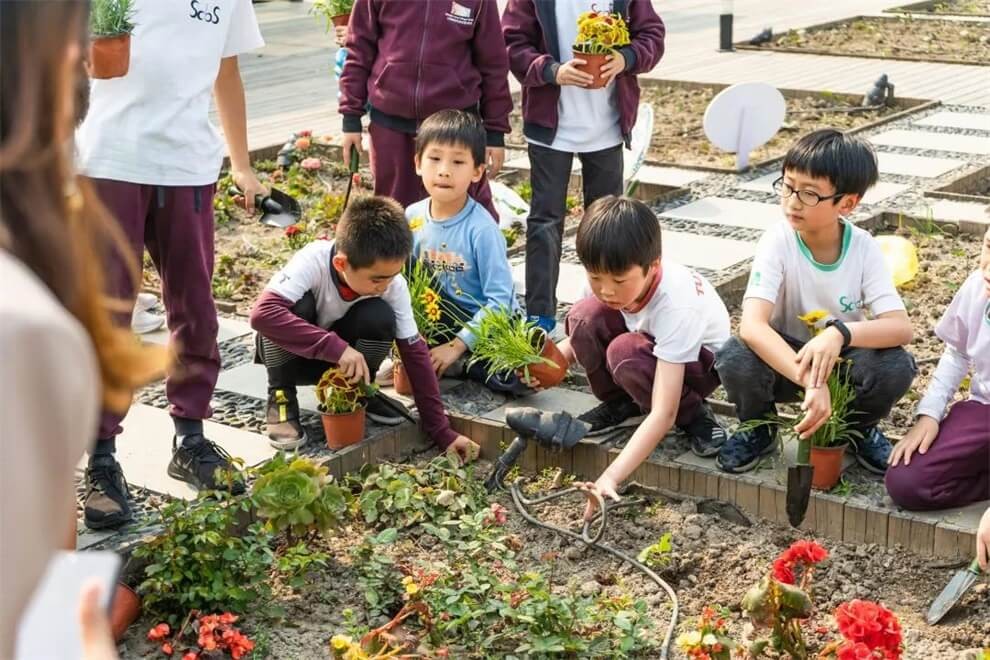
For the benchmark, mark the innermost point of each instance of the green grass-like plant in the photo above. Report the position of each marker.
(507, 342)
(111, 18)
(327, 9)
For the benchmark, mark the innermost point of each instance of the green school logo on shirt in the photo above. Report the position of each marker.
(754, 278)
(850, 305)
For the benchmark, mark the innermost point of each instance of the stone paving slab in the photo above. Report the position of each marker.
(710, 252)
(87, 538)
(145, 448)
(653, 174)
(920, 166)
(555, 399)
(229, 329)
(729, 212)
(882, 191)
(953, 211)
(967, 517)
(570, 284)
(964, 144)
(964, 120)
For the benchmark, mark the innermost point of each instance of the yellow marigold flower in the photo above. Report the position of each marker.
(689, 640)
(412, 588)
(341, 642)
(429, 297)
(416, 223)
(812, 318)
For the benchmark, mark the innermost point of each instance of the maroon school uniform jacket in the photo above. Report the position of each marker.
(410, 58)
(530, 29)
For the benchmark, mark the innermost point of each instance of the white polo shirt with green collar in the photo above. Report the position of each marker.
(856, 287)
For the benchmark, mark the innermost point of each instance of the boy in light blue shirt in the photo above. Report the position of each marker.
(458, 239)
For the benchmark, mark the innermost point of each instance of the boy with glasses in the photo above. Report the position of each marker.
(821, 267)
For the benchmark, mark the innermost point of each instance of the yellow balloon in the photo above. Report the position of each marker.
(901, 257)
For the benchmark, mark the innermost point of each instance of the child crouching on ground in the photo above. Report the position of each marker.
(944, 460)
(458, 240)
(646, 336)
(343, 303)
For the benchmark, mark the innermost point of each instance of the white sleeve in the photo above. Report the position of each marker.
(397, 296)
(679, 340)
(767, 273)
(879, 293)
(952, 368)
(243, 34)
(952, 328)
(303, 273)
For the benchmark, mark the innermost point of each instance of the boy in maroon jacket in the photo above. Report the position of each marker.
(407, 60)
(560, 118)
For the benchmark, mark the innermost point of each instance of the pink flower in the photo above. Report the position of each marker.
(311, 163)
(499, 514)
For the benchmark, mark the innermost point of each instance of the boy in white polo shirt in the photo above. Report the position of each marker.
(817, 263)
(944, 460)
(646, 335)
(154, 157)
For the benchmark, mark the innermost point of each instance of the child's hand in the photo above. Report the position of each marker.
(919, 439)
(97, 639)
(340, 35)
(983, 542)
(569, 74)
(348, 142)
(445, 355)
(354, 367)
(464, 448)
(614, 65)
(818, 356)
(247, 182)
(817, 407)
(494, 158)
(532, 382)
(605, 486)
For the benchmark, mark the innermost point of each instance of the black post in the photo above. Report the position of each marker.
(725, 27)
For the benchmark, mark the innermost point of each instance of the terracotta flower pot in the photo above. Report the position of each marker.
(124, 610)
(340, 20)
(109, 57)
(343, 430)
(548, 375)
(827, 464)
(400, 380)
(593, 65)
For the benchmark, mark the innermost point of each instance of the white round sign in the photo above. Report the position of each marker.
(743, 117)
(632, 158)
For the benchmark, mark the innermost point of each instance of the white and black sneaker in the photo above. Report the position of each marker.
(707, 435)
(611, 415)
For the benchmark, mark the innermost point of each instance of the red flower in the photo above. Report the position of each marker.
(806, 553)
(291, 230)
(857, 651)
(872, 624)
(167, 649)
(305, 133)
(191, 655)
(227, 618)
(499, 515)
(159, 632)
(782, 571)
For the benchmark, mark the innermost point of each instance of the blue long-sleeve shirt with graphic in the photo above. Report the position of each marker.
(467, 252)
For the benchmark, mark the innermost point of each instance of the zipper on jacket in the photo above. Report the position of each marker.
(419, 63)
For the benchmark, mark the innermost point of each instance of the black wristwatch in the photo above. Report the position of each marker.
(843, 329)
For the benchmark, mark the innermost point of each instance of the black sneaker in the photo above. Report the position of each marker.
(105, 505)
(744, 449)
(611, 415)
(707, 435)
(872, 450)
(380, 411)
(198, 465)
(282, 416)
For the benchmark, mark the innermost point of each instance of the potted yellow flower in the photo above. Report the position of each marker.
(599, 35)
(427, 306)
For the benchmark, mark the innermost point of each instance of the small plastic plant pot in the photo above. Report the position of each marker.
(124, 610)
(109, 57)
(549, 375)
(401, 380)
(343, 430)
(340, 20)
(827, 464)
(593, 66)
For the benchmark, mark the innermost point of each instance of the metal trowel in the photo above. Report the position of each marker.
(953, 591)
(277, 209)
(799, 484)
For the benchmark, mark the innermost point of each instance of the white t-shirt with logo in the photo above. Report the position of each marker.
(588, 119)
(152, 126)
(684, 314)
(785, 273)
(965, 329)
(309, 270)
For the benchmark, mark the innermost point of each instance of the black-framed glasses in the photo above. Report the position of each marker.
(807, 197)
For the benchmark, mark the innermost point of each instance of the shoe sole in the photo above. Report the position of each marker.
(624, 424)
(387, 421)
(110, 523)
(288, 445)
(706, 454)
(749, 467)
(868, 467)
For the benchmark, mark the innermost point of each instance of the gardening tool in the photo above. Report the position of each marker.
(278, 209)
(353, 168)
(372, 392)
(799, 484)
(953, 591)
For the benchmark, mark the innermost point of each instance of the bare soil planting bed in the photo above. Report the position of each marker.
(946, 7)
(679, 138)
(905, 38)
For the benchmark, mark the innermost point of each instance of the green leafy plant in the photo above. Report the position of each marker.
(659, 554)
(299, 496)
(339, 397)
(427, 304)
(599, 33)
(327, 9)
(378, 576)
(326, 210)
(708, 638)
(111, 18)
(507, 342)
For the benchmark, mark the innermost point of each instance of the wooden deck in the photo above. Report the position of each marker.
(290, 83)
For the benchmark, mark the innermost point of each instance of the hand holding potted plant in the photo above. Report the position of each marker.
(110, 24)
(599, 35)
(336, 12)
(509, 343)
(342, 409)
